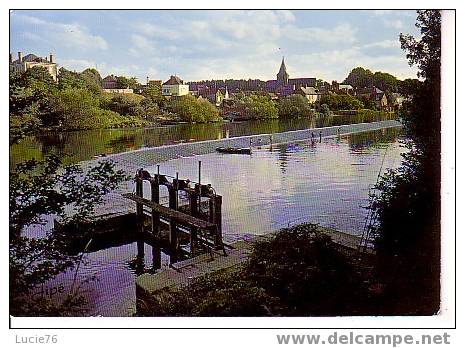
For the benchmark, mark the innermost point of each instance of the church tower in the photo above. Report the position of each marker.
(282, 75)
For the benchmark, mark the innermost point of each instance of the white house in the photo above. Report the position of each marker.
(174, 87)
(22, 64)
(310, 93)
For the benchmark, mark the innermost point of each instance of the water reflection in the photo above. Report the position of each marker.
(84, 145)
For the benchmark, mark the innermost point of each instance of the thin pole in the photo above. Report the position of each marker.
(200, 171)
(177, 188)
(199, 209)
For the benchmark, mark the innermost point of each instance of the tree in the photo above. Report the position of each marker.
(126, 82)
(75, 107)
(294, 106)
(69, 79)
(30, 101)
(45, 188)
(360, 78)
(367, 102)
(324, 109)
(153, 94)
(92, 80)
(408, 204)
(191, 109)
(385, 82)
(341, 102)
(259, 107)
(127, 104)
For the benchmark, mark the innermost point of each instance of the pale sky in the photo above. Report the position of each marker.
(198, 44)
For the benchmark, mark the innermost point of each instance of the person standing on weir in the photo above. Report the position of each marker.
(320, 136)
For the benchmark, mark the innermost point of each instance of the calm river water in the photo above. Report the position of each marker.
(327, 183)
(84, 145)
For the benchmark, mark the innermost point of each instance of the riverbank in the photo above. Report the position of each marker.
(249, 280)
(184, 273)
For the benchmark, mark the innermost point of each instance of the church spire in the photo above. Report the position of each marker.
(282, 75)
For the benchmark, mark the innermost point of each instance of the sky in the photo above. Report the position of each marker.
(199, 44)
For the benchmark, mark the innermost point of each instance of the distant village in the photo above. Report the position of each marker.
(223, 93)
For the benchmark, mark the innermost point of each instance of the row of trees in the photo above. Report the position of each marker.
(362, 78)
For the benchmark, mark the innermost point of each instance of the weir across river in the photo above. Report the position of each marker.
(131, 162)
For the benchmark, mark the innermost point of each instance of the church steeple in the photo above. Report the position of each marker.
(282, 75)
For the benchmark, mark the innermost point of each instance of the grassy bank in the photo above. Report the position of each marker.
(298, 271)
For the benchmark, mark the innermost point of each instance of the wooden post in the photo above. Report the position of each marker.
(173, 230)
(194, 212)
(156, 257)
(217, 221)
(140, 193)
(155, 197)
(139, 218)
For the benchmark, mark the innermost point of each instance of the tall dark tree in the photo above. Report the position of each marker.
(408, 207)
(360, 78)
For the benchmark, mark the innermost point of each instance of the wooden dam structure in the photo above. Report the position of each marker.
(188, 226)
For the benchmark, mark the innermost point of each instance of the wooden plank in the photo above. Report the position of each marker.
(170, 213)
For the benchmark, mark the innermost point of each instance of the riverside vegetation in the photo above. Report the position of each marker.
(77, 101)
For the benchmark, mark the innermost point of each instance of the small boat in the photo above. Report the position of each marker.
(239, 150)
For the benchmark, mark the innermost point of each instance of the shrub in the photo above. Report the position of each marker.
(294, 106)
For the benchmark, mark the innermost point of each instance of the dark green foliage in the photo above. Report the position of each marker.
(367, 102)
(305, 270)
(385, 82)
(408, 206)
(341, 102)
(359, 78)
(363, 78)
(44, 188)
(296, 272)
(30, 102)
(294, 106)
(126, 82)
(324, 110)
(69, 79)
(259, 106)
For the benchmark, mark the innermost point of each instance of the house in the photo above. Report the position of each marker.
(174, 87)
(398, 99)
(110, 82)
(375, 94)
(310, 93)
(22, 64)
(110, 85)
(346, 88)
(220, 95)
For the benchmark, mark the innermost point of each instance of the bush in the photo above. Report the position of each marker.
(191, 109)
(297, 271)
(259, 106)
(341, 102)
(306, 271)
(294, 106)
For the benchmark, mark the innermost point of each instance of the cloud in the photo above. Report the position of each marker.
(383, 44)
(382, 12)
(344, 33)
(393, 23)
(65, 34)
(77, 64)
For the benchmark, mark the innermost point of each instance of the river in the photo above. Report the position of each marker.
(326, 183)
(76, 146)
